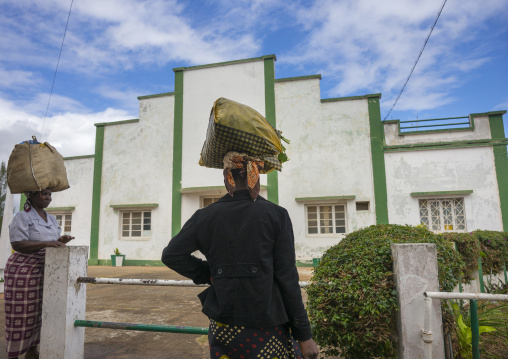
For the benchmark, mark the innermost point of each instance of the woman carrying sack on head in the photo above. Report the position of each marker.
(254, 301)
(31, 232)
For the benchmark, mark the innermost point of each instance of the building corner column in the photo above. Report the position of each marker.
(269, 72)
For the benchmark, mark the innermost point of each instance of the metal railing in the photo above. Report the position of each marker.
(145, 327)
(473, 307)
(436, 122)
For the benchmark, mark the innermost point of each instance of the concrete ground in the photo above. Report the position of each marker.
(145, 305)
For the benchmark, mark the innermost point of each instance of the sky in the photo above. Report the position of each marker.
(117, 50)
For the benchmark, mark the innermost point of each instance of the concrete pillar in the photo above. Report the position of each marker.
(415, 272)
(64, 300)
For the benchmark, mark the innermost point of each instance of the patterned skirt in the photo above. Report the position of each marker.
(24, 277)
(231, 342)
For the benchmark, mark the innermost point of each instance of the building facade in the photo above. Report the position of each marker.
(347, 168)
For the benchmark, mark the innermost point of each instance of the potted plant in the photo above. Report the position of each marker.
(117, 259)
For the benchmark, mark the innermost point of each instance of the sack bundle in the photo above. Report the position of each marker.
(240, 128)
(35, 166)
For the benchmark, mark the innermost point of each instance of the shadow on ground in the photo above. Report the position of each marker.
(144, 305)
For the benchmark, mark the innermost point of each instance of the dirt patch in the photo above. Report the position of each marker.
(145, 305)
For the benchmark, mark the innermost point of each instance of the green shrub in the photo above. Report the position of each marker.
(352, 300)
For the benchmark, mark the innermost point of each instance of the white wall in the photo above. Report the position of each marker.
(241, 82)
(444, 170)
(330, 155)
(481, 131)
(79, 195)
(137, 169)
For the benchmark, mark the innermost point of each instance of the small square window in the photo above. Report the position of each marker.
(362, 206)
(64, 220)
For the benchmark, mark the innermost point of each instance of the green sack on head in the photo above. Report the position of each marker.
(35, 167)
(240, 128)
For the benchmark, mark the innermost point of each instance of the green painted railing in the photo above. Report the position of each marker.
(416, 125)
(141, 327)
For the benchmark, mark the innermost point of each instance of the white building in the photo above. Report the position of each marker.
(347, 168)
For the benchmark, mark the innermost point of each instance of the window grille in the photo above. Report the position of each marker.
(136, 224)
(441, 215)
(325, 219)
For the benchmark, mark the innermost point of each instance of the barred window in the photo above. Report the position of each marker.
(64, 221)
(136, 225)
(443, 215)
(325, 219)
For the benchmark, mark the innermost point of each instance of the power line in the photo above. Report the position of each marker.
(56, 70)
(417, 59)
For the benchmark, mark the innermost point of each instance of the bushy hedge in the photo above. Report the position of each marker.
(491, 246)
(352, 300)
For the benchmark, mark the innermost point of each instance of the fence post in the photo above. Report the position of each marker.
(480, 275)
(475, 329)
(64, 300)
(415, 272)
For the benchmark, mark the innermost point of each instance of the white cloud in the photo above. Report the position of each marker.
(72, 133)
(371, 46)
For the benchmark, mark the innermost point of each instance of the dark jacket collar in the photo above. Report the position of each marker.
(241, 195)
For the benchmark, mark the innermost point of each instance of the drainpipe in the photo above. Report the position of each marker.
(426, 331)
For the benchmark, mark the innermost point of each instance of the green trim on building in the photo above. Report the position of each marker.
(156, 95)
(299, 78)
(79, 157)
(176, 202)
(141, 205)
(501, 162)
(96, 194)
(447, 145)
(130, 262)
(378, 159)
(116, 122)
(442, 193)
(269, 70)
(207, 188)
(52, 209)
(22, 201)
(491, 113)
(362, 97)
(226, 63)
(325, 198)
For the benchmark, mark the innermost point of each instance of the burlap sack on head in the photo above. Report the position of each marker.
(36, 167)
(240, 128)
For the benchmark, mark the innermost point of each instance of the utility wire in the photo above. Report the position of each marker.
(56, 70)
(417, 59)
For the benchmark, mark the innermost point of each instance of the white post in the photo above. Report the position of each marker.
(64, 301)
(415, 272)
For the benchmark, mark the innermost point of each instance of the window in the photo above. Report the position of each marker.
(362, 206)
(446, 214)
(64, 221)
(136, 224)
(206, 201)
(323, 219)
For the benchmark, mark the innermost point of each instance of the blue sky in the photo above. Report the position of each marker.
(116, 50)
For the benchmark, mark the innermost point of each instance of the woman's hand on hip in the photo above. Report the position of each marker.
(65, 238)
(309, 349)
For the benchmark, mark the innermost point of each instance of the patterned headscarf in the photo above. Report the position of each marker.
(246, 164)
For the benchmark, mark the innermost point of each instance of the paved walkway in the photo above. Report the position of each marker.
(146, 305)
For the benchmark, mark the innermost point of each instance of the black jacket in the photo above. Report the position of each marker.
(249, 247)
